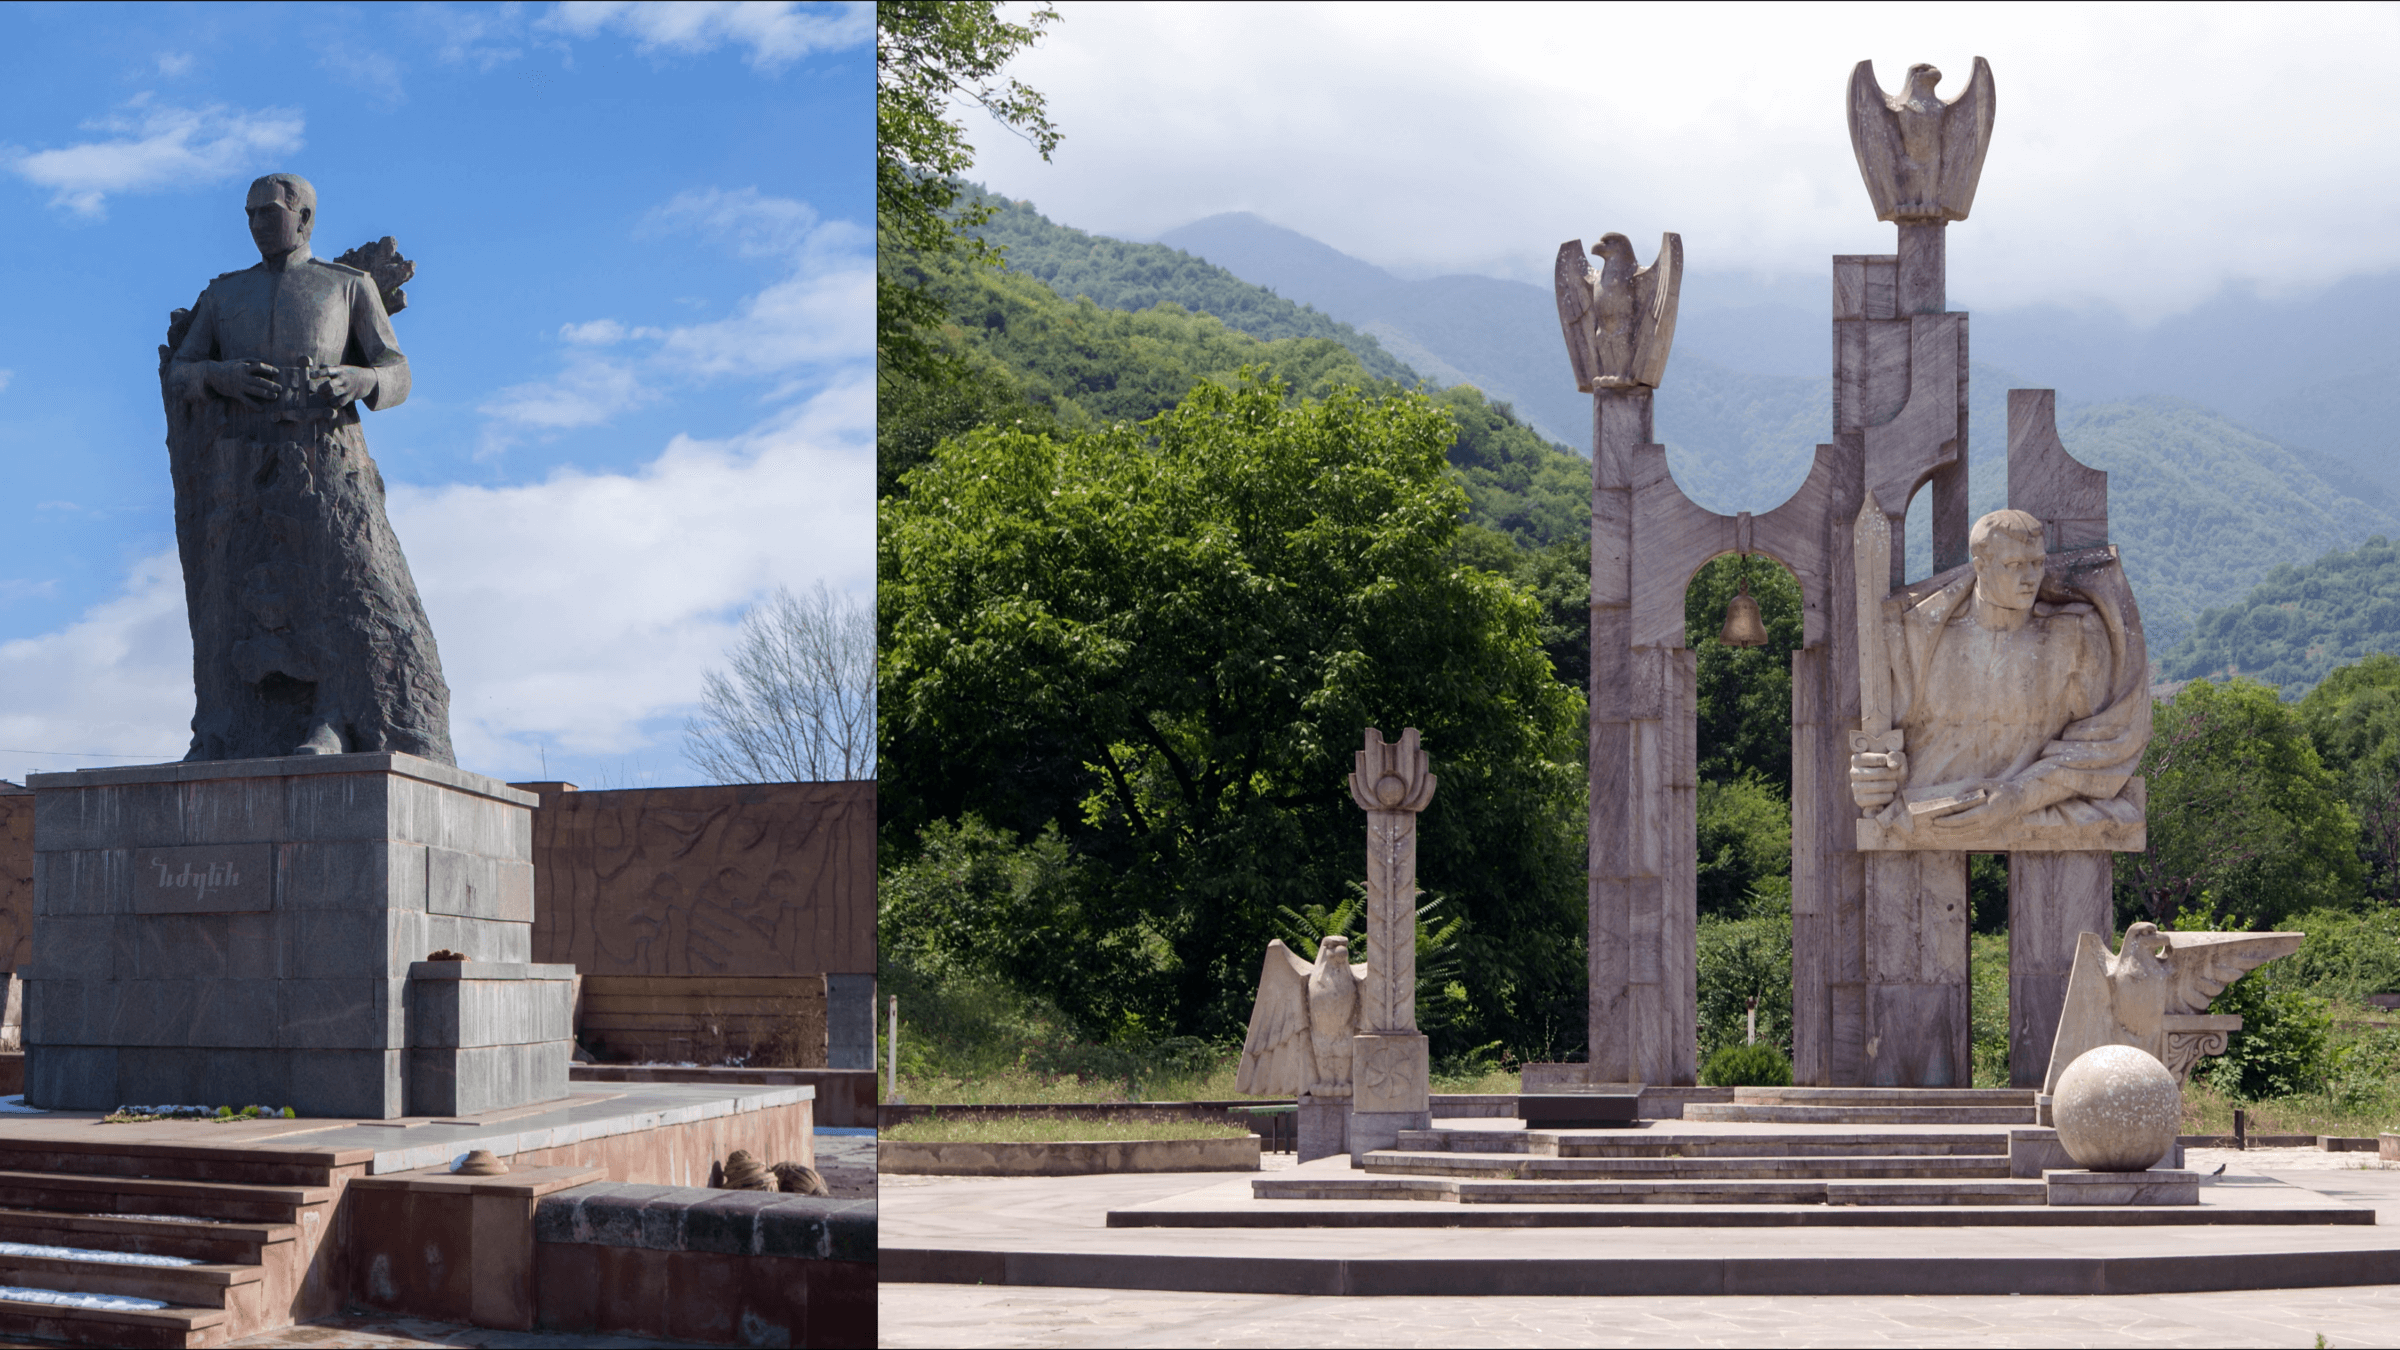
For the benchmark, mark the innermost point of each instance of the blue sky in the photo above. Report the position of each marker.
(639, 335)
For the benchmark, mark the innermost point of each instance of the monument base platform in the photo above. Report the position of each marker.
(257, 932)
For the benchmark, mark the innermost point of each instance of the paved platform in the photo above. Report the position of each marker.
(1055, 1232)
(913, 1315)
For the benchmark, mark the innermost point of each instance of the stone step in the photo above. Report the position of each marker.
(1523, 1167)
(1768, 1114)
(1668, 1191)
(1865, 1096)
(140, 1329)
(200, 1239)
(200, 1286)
(184, 1162)
(1694, 1144)
(1937, 1193)
(231, 1201)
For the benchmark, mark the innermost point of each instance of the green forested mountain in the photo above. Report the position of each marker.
(1117, 274)
(2300, 623)
(1028, 353)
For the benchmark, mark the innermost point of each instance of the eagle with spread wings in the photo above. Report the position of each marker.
(1301, 1025)
(1619, 321)
(1921, 157)
(2156, 988)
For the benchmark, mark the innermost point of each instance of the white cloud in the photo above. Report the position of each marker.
(5, 377)
(116, 682)
(570, 612)
(156, 147)
(2143, 156)
(587, 391)
(485, 38)
(604, 333)
(775, 33)
(172, 64)
(818, 315)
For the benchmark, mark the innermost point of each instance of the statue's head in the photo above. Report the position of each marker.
(1333, 947)
(2006, 547)
(1923, 79)
(283, 211)
(2144, 938)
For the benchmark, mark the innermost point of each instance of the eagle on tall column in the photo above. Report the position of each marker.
(1920, 156)
(1619, 321)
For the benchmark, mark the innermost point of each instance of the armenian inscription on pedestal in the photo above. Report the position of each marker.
(208, 879)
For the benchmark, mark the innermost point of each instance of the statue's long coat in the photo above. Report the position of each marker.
(302, 607)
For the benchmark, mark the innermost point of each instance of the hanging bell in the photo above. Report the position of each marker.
(1743, 627)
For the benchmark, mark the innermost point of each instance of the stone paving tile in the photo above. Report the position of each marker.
(975, 1315)
(385, 1331)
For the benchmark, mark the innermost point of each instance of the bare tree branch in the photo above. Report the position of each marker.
(799, 702)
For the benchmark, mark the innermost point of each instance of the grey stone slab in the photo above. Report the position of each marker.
(481, 1012)
(339, 943)
(849, 1021)
(725, 1221)
(430, 813)
(231, 1014)
(463, 1081)
(78, 947)
(818, 1228)
(483, 940)
(291, 766)
(465, 884)
(160, 1076)
(71, 1078)
(71, 1012)
(351, 1014)
(83, 881)
(350, 874)
(491, 970)
(514, 881)
(355, 806)
(231, 810)
(200, 946)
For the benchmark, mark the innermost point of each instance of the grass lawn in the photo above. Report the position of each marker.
(1031, 1129)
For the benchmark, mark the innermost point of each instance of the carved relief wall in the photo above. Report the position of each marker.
(758, 879)
(16, 877)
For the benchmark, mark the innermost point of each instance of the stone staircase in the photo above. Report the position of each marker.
(183, 1245)
(1956, 1152)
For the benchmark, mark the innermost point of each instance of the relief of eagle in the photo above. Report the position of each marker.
(2156, 985)
(1921, 157)
(1619, 322)
(1301, 1025)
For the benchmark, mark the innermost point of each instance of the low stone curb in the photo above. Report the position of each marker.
(1467, 1276)
(689, 1218)
(1067, 1158)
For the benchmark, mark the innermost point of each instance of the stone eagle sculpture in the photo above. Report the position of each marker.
(1619, 321)
(1920, 156)
(2154, 994)
(1301, 1025)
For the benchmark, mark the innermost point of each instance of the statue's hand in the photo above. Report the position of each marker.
(251, 382)
(346, 385)
(1875, 776)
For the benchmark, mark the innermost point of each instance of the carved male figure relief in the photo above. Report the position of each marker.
(307, 634)
(2018, 687)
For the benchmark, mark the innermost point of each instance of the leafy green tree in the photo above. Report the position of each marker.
(2353, 719)
(928, 53)
(1745, 829)
(1745, 958)
(2245, 820)
(1167, 638)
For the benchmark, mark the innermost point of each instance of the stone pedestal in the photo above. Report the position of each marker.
(1324, 1127)
(1389, 1077)
(246, 931)
(2158, 1186)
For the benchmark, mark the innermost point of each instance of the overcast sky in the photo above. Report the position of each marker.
(2142, 158)
(639, 337)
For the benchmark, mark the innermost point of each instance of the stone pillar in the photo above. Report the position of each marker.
(2051, 898)
(1917, 992)
(1389, 1074)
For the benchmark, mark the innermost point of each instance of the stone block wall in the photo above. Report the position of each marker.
(16, 875)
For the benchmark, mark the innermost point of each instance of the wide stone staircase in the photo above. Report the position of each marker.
(1950, 1147)
(157, 1245)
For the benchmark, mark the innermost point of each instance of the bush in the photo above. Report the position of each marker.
(2347, 955)
(1760, 1065)
(2284, 1046)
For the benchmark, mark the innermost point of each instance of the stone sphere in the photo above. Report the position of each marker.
(2117, 1109)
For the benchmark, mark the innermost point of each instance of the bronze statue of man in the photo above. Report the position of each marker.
(307, 634)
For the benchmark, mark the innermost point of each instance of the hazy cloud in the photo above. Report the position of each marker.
(172, 64)
(2142, 156)
(369, 72)
(604, 332)
(156, 147)
(587, 391)
(117, 681)
(776, 34)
